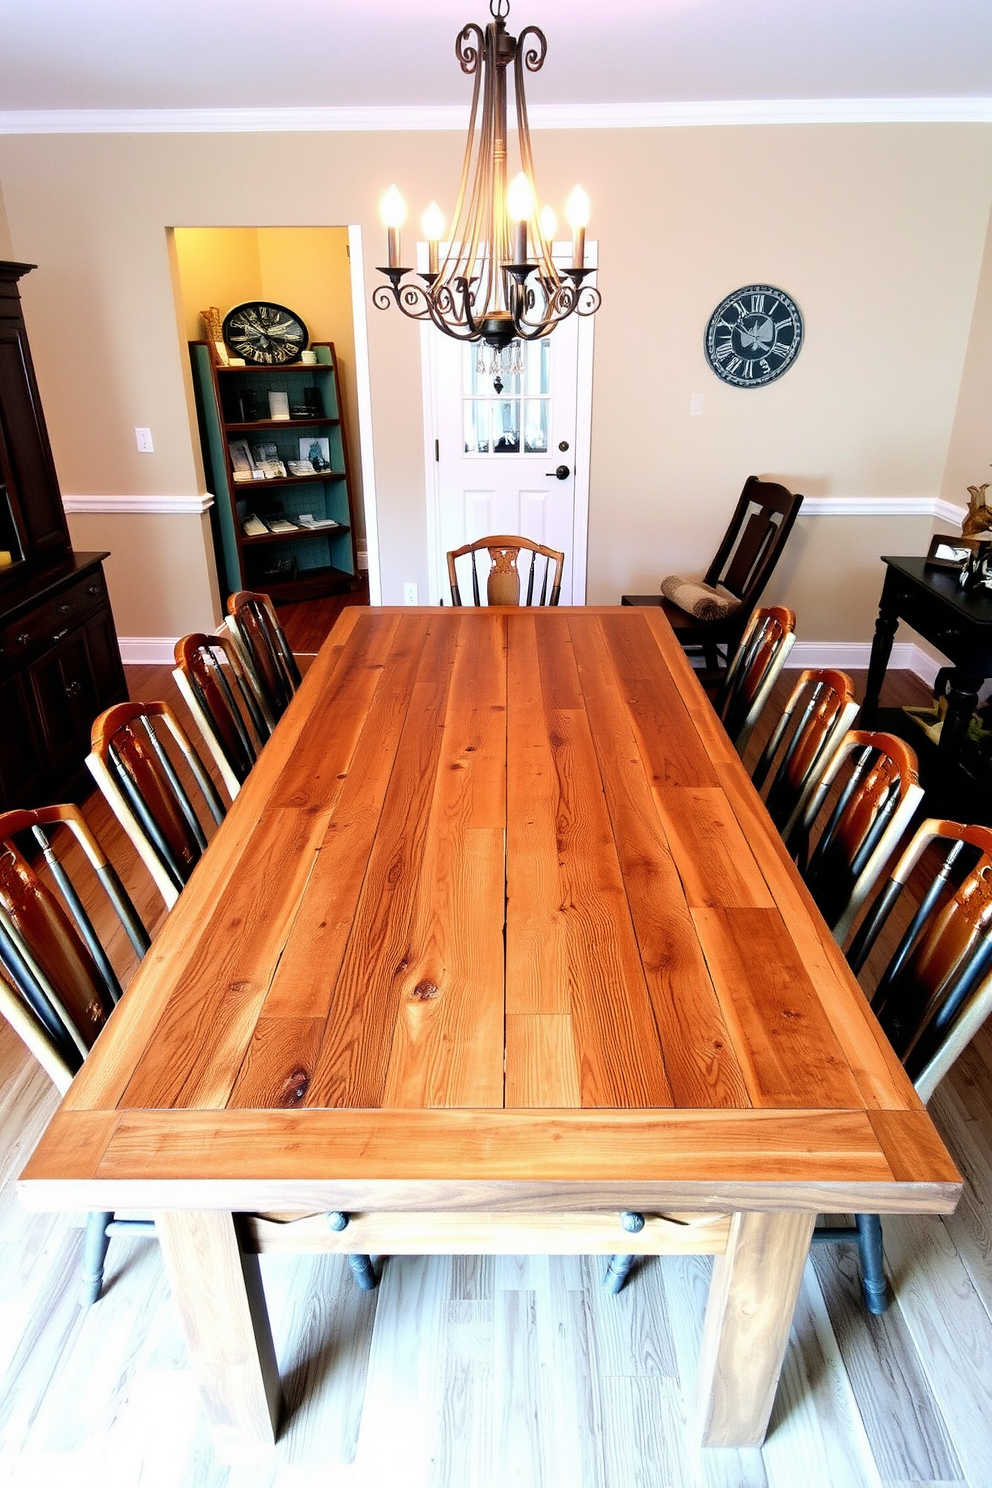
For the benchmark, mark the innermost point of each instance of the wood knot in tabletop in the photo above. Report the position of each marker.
(425, 991)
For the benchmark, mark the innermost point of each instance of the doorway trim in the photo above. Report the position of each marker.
(363, 392)
(437, 577)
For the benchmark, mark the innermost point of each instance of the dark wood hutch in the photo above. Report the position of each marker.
(59, 659)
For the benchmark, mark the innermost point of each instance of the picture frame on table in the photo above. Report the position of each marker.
(948, 550)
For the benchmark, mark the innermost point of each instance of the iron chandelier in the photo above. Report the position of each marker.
(497, 280)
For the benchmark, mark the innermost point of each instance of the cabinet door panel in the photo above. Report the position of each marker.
(23, 763)
(66, 699)
(24, 449)
(105, 661)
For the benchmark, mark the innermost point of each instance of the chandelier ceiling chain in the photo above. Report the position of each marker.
(497, 280)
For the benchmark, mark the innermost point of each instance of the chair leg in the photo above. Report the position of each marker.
(617, 1273)
(872, 1274)
(363, 1271)
(95, 1243)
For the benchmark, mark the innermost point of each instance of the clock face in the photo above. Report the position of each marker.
(754, 335)
(266, 333)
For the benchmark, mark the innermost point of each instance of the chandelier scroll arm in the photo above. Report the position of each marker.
(470, 57)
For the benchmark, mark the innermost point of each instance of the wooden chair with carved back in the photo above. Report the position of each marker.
(711, 615)
(859, 810)
(265, 651)
(754, 670)
(58, 984)
(140, 752)
(817, 715)
(936, 989)
(504, 578)
(215, 686)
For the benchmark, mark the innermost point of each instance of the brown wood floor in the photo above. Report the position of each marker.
(491, 1372)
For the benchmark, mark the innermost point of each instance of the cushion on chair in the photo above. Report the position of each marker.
(701, 601)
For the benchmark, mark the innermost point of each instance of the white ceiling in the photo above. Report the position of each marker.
(238, 54)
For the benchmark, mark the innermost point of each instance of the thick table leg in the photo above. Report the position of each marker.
(219, 1291)
(752, 1298)
(881, 649)
(962, 700)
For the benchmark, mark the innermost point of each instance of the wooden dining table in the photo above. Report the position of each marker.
(496, 945)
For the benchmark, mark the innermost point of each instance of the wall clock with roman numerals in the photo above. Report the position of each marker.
(753, 336)
(264, 334)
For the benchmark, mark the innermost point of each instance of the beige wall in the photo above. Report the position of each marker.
(6, 250)
(877, 231)
(969, 459)
(160, 572)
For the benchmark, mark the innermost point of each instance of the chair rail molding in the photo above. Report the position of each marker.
(173, 505)
(881, 506)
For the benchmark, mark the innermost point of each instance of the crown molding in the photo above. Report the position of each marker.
(542, 116)
(173, 505)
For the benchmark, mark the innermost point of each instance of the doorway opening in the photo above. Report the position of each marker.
(317, 272)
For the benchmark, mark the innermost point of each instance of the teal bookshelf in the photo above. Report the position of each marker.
(278, 483)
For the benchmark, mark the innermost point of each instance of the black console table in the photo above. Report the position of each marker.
(960, 625)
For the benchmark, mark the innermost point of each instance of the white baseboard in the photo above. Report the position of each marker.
(148, 650)
(854, 656)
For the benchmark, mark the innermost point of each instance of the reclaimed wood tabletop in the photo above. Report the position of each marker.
(496, 942)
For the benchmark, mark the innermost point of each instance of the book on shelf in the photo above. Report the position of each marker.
(242, 462)
(253, 526)
(282, 524)
(266, 458)
(315, 523)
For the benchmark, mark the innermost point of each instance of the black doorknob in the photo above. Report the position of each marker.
(562, 472)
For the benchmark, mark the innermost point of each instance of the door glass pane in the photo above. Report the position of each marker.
(477, 426)
(536, 426)
(493, 420)
(507, 429)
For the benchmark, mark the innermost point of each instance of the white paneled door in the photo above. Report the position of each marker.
(509, 452)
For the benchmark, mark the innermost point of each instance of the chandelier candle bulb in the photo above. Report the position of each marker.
(549, 225)
(432, 223)
(577, 212)
(520, 206)
(392, 210)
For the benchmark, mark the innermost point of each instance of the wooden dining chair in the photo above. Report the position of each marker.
(754, 670)
(710, 615)
(503, 578)
(935, 991)
(143, 785)
(58, 985)
(817, 715)
(857, 814)
(264, 650)
(215, 686)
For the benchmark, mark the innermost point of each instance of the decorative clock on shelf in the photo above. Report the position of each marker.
(754, 335)
(265, 334)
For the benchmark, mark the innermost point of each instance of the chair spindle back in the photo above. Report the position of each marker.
(754, 670)
(143, 787)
